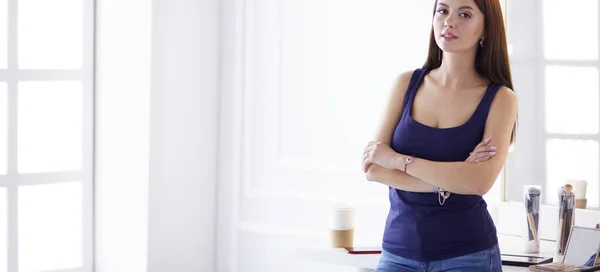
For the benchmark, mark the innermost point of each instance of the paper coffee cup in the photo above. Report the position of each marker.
(580, 187)
(341, 225)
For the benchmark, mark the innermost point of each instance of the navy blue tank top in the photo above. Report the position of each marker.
(417, 226)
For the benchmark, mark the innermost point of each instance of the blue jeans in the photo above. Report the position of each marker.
(485, 260)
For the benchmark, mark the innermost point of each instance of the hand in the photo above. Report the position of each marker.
(379, 153)
(482, 152)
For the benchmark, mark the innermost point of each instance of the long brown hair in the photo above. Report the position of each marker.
(491, 60)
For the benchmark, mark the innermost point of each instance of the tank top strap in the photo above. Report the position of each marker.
(486, 102)
(413, 86)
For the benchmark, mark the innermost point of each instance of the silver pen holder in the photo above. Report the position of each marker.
(531, 200)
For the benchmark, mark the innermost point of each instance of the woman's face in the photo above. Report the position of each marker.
(458, 25)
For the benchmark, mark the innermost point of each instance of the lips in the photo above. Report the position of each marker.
(449, 36)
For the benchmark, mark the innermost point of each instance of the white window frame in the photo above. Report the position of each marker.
(543, 63)
(534, 53)
(13, 180)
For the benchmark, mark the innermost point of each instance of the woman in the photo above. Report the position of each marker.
(435, 118)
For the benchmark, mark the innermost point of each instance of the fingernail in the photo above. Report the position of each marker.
(486, 158)
(487, 140)
(493, 148)
(492, 153)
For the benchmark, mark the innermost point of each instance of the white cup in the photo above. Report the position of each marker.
(579, 188)
(341, 225)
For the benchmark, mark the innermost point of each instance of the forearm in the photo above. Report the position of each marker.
(456, 177)
(397, 179)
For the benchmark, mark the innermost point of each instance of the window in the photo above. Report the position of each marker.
(569, 96)
(46, 125)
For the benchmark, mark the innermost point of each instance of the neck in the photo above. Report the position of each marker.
(457, 69)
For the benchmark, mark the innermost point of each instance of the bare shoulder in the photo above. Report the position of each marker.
(403, 79)
(504, 108)
(400, 85)
(393, 111)
(505, 100)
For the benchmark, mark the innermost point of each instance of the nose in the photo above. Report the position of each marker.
(449, 22)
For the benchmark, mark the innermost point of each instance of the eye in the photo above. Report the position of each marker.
(465, 15)
(442, 11)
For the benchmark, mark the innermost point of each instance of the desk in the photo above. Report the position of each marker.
(508, 245)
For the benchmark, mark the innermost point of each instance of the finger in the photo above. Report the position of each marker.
(372, 143)
(471, 158)
(484, 154)
(485, 149)
(481, 160)
(483, 143)
(481, 146)
(369, 148)
(366, 163)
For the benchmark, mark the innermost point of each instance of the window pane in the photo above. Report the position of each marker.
(50, 226)
(50, 129)
(3, 231)
(3, 128)
(561, 42)
(3, 35)
(571, 159)
(50, 34)
(572, 100)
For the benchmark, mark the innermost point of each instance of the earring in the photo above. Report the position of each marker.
(481, 42)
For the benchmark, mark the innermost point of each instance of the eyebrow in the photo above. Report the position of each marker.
(462, 7)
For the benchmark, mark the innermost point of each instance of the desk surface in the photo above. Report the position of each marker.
(508, 245)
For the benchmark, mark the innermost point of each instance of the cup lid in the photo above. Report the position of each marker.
(342, 206)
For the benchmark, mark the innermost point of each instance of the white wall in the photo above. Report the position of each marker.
(156, 114)
(290, 137)
(183, 135)
(122, 134)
